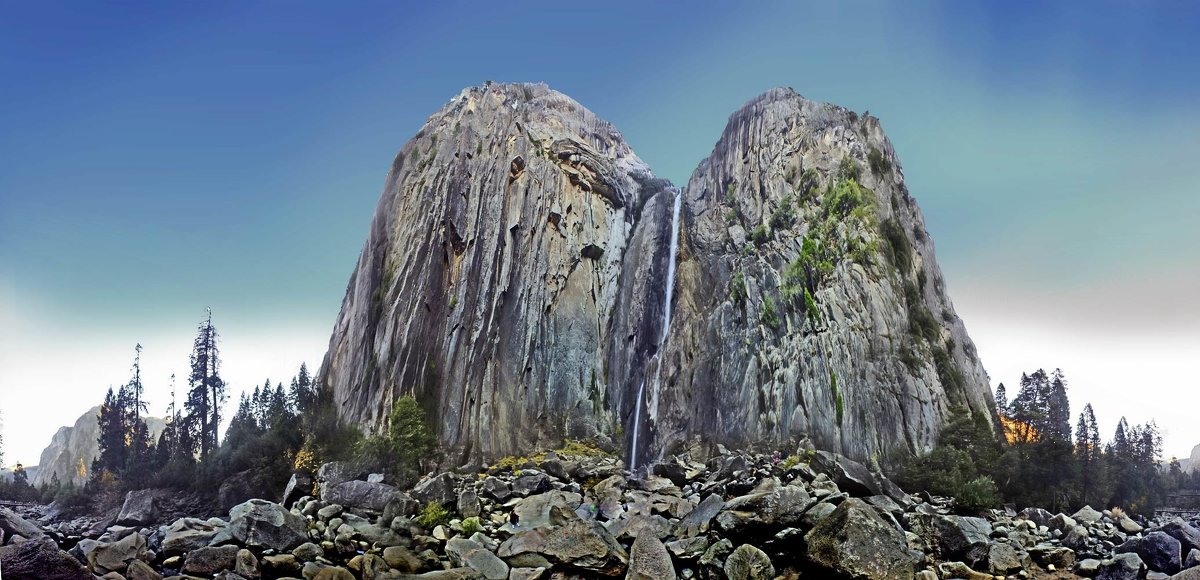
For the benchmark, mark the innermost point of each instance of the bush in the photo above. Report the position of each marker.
(843, 198)
(737, 289)
(433, 515)
(878, 163)
(769, 316)
(900, 250)
(408, 442)
(784, 216)
(471, 526)
(849, 169)
(810, 308)
(760, 235)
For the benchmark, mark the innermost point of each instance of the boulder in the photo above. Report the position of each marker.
(1003, 559)
(1060, 558)
(333, 473)
(280, 565)
(262, 524)
(210, 560)
(115, 557)
(402, 559)
(187, 534)
(1127, 525)
(855, 541)
(1087, 515)
(696, 522)
(437, 489)
(362, 495)
(300, 485)
(246, 565)
(648, 559)
(242, 486)
(39, 559)
(1193, 559)
(496, 488)
(850, 476)
(530, 484)
(1038, 516)
(140, 508)
(1121, 567)
(580, 544)
(1159, 551)
(468, 504)
(471, 554)
(14, 525)
(139, 570)
(952, 537)
(750, 563)
(1188, 535)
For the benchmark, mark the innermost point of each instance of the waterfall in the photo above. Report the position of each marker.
(668, 295)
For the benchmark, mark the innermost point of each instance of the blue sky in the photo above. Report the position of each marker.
(159, 158)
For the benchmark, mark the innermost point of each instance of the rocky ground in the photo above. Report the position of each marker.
(580, 515)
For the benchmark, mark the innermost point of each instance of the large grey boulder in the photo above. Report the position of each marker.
(855, 541)
(300, 485)
(952, 537)
(648, 559)
(13, 524)
(749, 563)
(40, 559)
(438, 489)
(575, 544)
(469, 554)
(140, 508)
(1126, 566)
(1188, 535)
(1087, 514)
(115, 557)
(850, 476)
(697, 521)
(187, 534)
(1159, 551)
(262, 524)
(362, 495)
(210, 560)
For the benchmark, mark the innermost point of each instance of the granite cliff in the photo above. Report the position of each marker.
(73, 448)
(513, 282)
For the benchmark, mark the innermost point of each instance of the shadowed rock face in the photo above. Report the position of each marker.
(512, 281)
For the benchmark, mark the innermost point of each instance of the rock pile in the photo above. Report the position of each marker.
(737, 516)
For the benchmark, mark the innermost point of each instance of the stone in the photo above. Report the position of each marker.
(1188, 535)
(210, 560)
(849, 475)
(308, 552)
(1087, 515)
(527, 574)
(1127, 525)
(280, 565)
(1059, 557)
(438, 489)
(750, 563)
(855, 541)
(580, 544)
(1061, 522)
(1121, 567)
(697, 521)
(334, 573)
(332, 473)
(139, 570)
(468, 504)
(362, 495)
(300, 485)
(14, 525)
(952, 537)
(115, 557)
(140, 508)
(962, 571)
(1002, 559)
(262, 524)
(39, 558)
(1193, 558)
(531, 484)
(1157, 550)
(1038, 516)
(246, 565)
(330, 511)
(189, 533)
(402, 559)
(496, 488)
(470, 554)
(546, 509)
(648, 559)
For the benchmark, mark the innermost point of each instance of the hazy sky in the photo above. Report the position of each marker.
(158, 158)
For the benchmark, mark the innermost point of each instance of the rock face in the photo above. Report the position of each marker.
(73, 448)
(512, 281)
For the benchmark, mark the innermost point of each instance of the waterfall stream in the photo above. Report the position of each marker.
(668, 295)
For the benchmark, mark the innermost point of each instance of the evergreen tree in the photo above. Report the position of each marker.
(206, 392)
(1001, 399)
(1088, 455)
(111, 437)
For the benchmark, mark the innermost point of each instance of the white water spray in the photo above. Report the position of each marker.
(669, 293)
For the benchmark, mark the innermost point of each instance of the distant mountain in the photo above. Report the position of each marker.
(73, 448)
(527, 278)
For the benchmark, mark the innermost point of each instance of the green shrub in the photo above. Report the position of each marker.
(760, 235)
(920, 322)
(784, 216)
(737, 289)
(810, 184)
(878, 163)
(839, 404)
(408, 442)
(810, 309)
(848, 169)
(844, 198)
(900, 251)
(471, 526)
(789, 462)
(433, 515)
(769, 316)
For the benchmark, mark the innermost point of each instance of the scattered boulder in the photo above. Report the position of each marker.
(300, 485)
(1126, 566)
(115, 557)
(649, 560)
(39, 559)
(579, 544)
(1188, 535)
(1159, 551)
(187, 534)
(855, 541)
(750, 563)
(262, 524)
(14, 525)
(139, 570)
(1087, 515)
(362, 494)
(140, 508)
(438, 489)
(850, 476)
(210, 560)
(471, 554)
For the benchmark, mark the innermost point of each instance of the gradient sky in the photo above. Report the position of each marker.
(158, 158)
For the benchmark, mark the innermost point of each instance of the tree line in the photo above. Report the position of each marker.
(276, 430)
(1033, 457)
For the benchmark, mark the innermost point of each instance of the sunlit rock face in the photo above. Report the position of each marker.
(73, 448)
(512, 281)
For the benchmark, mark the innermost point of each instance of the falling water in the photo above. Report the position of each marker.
(666, 323)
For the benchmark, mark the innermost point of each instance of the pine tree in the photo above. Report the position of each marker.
(1001, 399)
(206, 392)
(1088, 455)
(111, 437)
